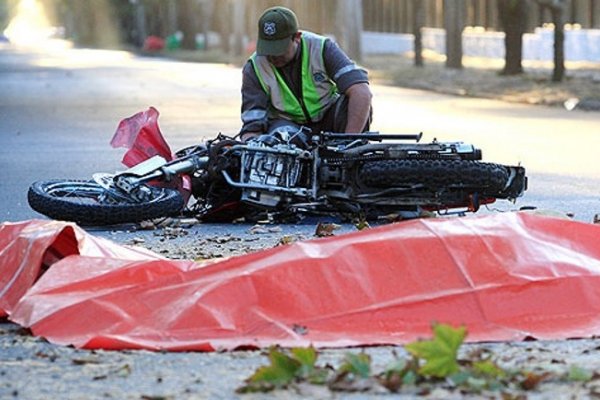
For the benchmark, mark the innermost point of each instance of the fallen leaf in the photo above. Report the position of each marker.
(280, 373)
(532, 380)
(286, 239)
(579, 374)
(358, 365)
(362, 224)
(326, 229)
(440, 353)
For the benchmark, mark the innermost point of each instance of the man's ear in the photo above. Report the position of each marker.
(297, 35)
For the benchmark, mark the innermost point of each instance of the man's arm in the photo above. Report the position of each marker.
(359, 107)
(351, 80)
(254, 105)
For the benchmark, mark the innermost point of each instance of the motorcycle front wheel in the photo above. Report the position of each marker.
(88, 203)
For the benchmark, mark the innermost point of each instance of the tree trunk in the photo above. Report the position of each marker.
(140, 23)
(418, 23)
(187, 24)
(208, 9)
(349, 27)
(94, 26)
(454, 24)
(239, 27)
(557, 9)
(223, 12)
(559, 44)
(171, 22)
(595, 14)
(3, 15)
(513, 17)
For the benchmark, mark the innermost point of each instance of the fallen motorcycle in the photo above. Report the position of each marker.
(286, 175)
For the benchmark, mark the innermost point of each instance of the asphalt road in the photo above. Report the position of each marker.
(59, 109)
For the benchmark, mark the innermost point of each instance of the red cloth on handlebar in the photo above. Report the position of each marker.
(142, 136)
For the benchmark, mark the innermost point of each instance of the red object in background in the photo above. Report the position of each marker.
(154, 43)
(505, 277)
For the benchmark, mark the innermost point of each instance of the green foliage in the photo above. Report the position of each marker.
(440, 352)
(431, 361)
(285, 369)
(358, 365)
(278, 374)
(489, 369)
(578, 374)
(400, 373)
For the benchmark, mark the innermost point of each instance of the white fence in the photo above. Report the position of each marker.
(580, 44)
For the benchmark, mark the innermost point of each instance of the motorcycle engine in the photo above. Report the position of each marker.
(269, 174)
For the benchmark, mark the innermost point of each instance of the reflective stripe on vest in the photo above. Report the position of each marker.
(319, 92)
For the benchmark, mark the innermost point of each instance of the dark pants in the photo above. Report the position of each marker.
(335, 120)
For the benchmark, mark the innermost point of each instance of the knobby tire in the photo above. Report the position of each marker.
(487, 178)
(167, 202)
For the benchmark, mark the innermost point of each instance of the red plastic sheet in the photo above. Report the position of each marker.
(141, 135)
(505, 277)
(29, 248)
(143, 139)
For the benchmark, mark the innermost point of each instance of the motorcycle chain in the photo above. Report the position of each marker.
(337, 161)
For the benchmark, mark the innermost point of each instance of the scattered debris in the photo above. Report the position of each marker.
(300, 329)
(123, 372)
(137, 240)
(147, 226)
(261, 229)
(172, 232)
(326, 229)
(223, 239)
(258, 229)
(361, 224)
(85, 360)
(286, 239)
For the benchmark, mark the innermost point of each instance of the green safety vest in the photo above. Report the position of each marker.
(319, 92)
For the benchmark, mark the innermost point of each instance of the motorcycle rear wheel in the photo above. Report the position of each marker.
(83, 202)
(488, 178)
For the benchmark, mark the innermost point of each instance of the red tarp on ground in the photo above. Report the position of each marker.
(504, 276)
(28, 248)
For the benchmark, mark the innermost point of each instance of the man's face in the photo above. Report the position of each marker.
(280, 61)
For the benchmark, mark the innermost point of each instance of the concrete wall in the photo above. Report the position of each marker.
(580, 44)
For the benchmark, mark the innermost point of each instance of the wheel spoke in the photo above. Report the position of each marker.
(81, 192)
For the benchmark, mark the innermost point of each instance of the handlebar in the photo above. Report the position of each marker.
(376, 136)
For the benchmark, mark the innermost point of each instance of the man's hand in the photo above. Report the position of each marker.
(359, 107)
